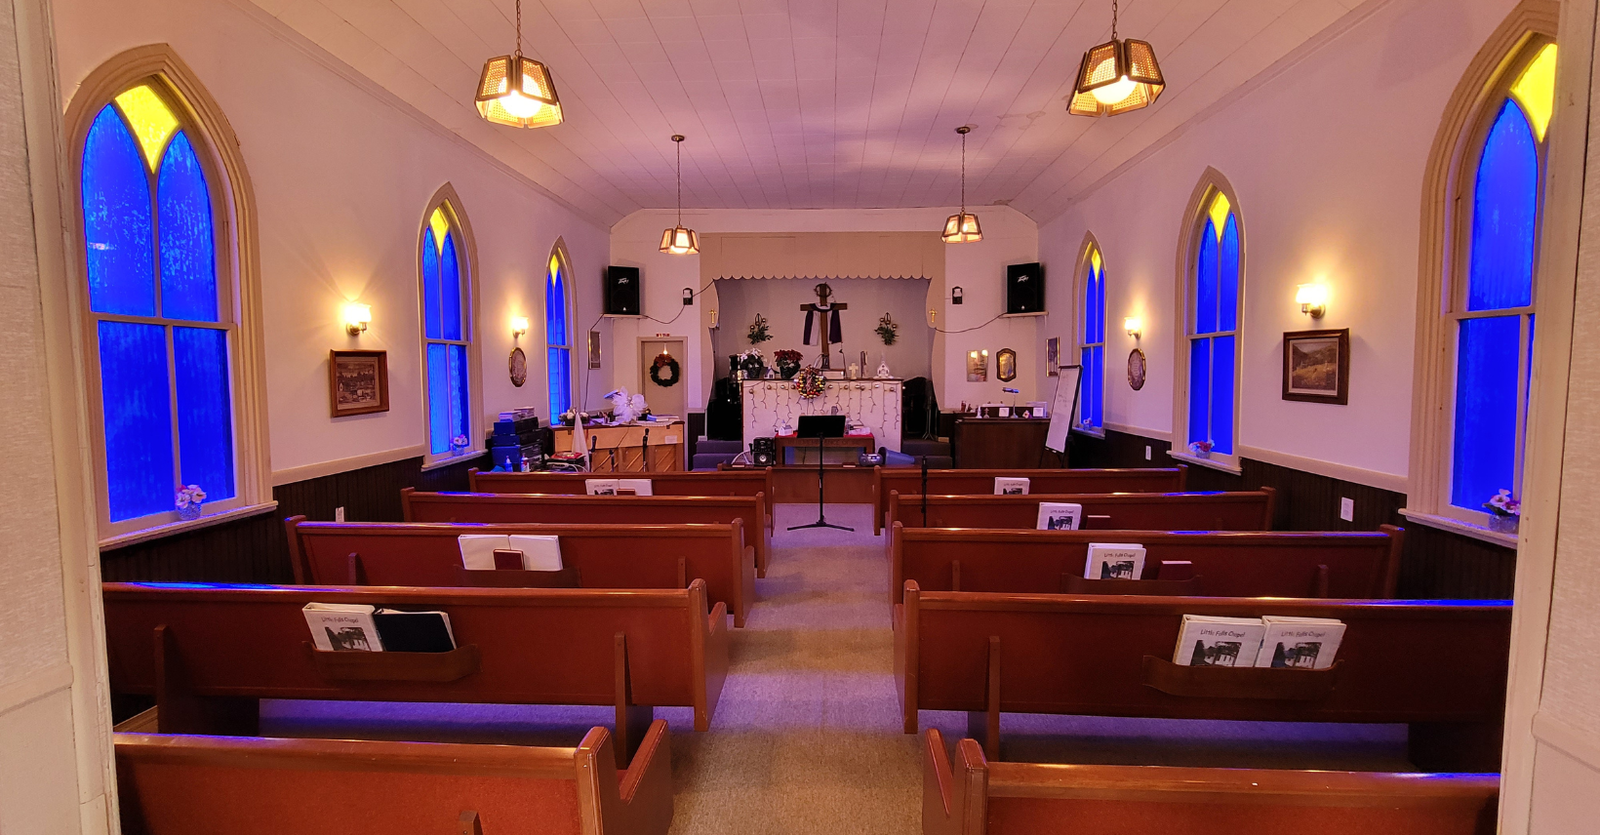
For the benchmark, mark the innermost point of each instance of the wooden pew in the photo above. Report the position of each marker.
(603, 556)
(1224, 563)
(1242, 511)
(209, 653)
(748, 482)
(513, 508)
(1439, 666)
(181, 785)
(979, 797)
(908, 481)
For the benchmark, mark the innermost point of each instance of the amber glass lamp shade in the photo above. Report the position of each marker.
(680, 240)
(962, 228)
(1116, 77)
(518, 91)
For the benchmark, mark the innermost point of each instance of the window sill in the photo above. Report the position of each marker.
(186, 525)
(429, 466)
(1091, 432)
(1445, 523)
(1218, 464)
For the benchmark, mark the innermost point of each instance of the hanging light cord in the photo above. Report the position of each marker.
(679, 143)
(963, 172)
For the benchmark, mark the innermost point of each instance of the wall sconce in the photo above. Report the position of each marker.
(356, 318)
(1313, 299)
(1133, 326)
(688, 296)
(519, 326)
(955, 295)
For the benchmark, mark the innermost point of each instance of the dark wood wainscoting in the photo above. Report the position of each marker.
(254, 550)
(1436, 564)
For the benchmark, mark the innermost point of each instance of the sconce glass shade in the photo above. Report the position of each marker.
(1312, 298)
(356, 318)
(962, 228)
(519, 325)
(1133, 326)
(1116, 77)
(519, 92)
(680, 240)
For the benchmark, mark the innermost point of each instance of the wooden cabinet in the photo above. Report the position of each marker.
(1001, 443)
(620, 449)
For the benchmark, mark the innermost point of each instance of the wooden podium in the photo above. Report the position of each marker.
(1000, 443)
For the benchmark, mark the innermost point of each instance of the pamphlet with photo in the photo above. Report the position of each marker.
(1010, 486)
(1059, 516)
(1205, 641)
(342, 627)
(600, 486)
(1303, 643)
(1114, 561)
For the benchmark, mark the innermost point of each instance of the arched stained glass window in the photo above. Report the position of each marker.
(162, 323)
(558, 336)
(1214, 328)
(1493, 303)
(1092, 342)
(445, 334)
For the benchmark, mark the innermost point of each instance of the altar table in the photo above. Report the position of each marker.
(771, 404)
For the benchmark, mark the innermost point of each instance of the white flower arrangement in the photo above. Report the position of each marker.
(460, 442)
(190, 496)
(1501, 504)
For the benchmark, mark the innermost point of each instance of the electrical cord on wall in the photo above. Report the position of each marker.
(969, 330)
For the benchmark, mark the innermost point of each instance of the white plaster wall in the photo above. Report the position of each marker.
(1009, 237)
(342, 175)
(1327, 158)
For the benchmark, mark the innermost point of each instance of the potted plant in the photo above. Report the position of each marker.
(1200, 449)
(1505, 513)
(190, 498)
(752, 363)
(788, 362)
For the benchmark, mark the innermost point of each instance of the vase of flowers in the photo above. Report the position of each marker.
(1505, 513)
(788, 362)
(1200, 449)
(190, 498)
(753, 364)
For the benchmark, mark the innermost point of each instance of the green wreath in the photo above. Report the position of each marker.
(665, 361)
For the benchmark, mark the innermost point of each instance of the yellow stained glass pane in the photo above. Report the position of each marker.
(1094, 258)
(151, 119)
(555, 267)
(1535, 89)
(1219, 213)
(440, 225)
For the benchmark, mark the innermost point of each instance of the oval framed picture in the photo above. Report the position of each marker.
(1136, 369)
(518, 364)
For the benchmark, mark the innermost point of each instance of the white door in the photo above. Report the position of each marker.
(663, 400)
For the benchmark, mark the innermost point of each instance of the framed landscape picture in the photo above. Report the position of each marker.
(1316, 366)
(358, 382)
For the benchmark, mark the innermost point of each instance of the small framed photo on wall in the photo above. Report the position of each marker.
(1316, 366)
(358, 382)
(1052, 356)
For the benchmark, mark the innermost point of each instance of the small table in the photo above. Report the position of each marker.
(802, 452)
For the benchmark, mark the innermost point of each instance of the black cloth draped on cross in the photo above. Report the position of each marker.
(835, 335)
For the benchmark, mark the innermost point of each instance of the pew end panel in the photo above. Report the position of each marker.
(954, 799)
(297, 556)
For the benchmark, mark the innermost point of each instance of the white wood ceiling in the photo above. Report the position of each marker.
(809, 103)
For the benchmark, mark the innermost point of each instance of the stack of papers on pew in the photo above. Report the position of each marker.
(617, 486)
(348, 627)
(1114, 561)
(487, 552)
(1267, 641)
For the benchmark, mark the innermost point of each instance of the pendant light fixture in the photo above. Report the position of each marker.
(518, 91)
(1116, 77)
(680, 239)
(962, 227)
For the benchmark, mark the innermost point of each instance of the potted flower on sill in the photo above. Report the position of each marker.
(1505, 513)
(788, 362)
(190, 498)
(1200, 449)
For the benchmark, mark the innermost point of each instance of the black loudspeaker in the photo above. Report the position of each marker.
(1025, 288)
(763, 452)
(622, 291)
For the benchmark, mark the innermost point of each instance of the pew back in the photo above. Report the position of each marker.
(749, 482)
(1226, 563)
(177, 785)
(1241, 511)
(510, 508)
(606, 556)
(908, 481)
(979, 797)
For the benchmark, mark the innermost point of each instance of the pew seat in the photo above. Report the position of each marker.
(977, 797)
(747, 482)
(1241, 511)
(952, 482)
(228, 785)
(603, 556)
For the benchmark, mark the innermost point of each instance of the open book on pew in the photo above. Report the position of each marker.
(1267, 641)
(617, 486)
(349, 627)
(1114, 561)
(526, 552)
(1004, 486)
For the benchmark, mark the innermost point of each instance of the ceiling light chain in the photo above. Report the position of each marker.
(1113, 19)
(680, 240)
(518, 91)
(962, 227)
(519, 25)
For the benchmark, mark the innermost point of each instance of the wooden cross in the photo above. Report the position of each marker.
(824, 311)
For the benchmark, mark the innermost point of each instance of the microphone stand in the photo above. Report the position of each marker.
(644, 449)
(924, 491)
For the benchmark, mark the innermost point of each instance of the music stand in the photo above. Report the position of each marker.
(820, 427)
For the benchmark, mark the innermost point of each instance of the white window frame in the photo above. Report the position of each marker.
(1195, 216)
(558, 251)
(1080, 331)
(467, 267)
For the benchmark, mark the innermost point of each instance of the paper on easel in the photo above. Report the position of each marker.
(1011, 486)
(539, 553)
(477, 550)
(1059, 516)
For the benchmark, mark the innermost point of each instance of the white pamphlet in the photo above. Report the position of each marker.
(633, 487)
(342, 627)
(1059, 516)
(539, 553)
(477, 550)
(1306, 643)
(1205, 641)
(1010, 486)
(1114, 561)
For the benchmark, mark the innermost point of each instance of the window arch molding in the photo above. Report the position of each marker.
(447, 201)
(233, 210)
(1442, 260)
(560, 256)
(1210, 186)
(1085, 340)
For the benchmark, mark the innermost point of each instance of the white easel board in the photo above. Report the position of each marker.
(1064, 408)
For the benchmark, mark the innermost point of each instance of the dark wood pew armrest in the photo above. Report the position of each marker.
(454, 665)
(1239, 682)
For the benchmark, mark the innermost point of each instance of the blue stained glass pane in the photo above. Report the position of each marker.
(205, 411)
(555, 310)
(1222, 395)
(1100, 306)
(460, 392)
(1504, 208)
(1486, 410)
(430, 287)
(1228, 277)
(450, 289)
(188, 242)
(117, 226)
(1200, 390)
(1087, 387)
(560, 380)
(1205, 297)
(1098, 384)
(138, 419)
(438, 400)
